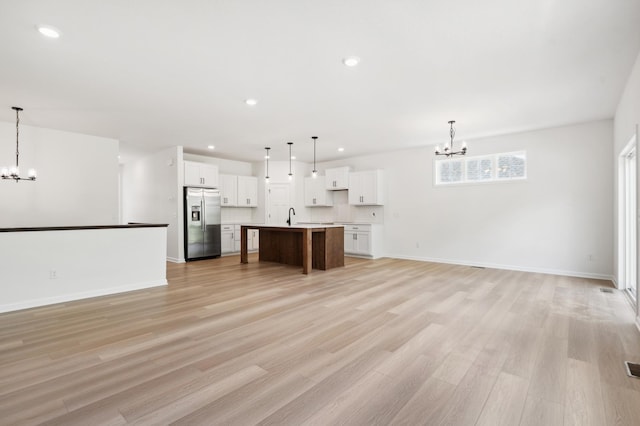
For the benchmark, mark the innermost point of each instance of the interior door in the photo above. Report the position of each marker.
(278, 204)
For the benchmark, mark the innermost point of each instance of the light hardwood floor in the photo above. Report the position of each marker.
(375, 343)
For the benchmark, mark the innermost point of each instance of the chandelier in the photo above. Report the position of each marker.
(14, 172)
(448, 148)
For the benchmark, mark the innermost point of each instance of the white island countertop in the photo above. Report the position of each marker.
(294, 226)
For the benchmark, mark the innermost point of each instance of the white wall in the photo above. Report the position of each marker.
(77, 178)
(152, 193)
(557, 221)
(625, 124)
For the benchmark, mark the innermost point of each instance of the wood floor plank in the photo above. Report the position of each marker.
(539, 412)
(383, 341)
(584, 405)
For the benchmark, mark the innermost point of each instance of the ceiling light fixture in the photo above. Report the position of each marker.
(340, 149)
(266, 177)
(211, 147)
(48, 31)
(290, 173)
(351, 61)
(14, 171)
(448, 148)
(251, 102)
(314, 173)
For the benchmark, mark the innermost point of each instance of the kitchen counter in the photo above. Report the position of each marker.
(312, 246)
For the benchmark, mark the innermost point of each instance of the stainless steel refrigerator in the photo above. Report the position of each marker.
(201, 223)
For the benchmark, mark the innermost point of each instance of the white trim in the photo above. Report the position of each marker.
(621, 282)
(576, 274)
(77, 296)
(174, 260)
(638, 323)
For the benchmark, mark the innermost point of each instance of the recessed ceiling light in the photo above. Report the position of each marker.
(351, 61)
(48, 31)
(251, 102)
(340, 149)
(293, 157)
(211, 147)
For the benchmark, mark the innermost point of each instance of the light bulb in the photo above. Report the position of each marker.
(464, 145)
(266, 179)
(4, 172)
(314, 174)
(290, 176)
(437, 149)
(14, 171)
(32, 173)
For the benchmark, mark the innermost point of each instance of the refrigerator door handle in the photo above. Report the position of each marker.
(202, 224)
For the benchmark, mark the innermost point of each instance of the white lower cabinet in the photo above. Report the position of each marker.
(230, 239)
(227, 239)
(362, 240)
(253, 240)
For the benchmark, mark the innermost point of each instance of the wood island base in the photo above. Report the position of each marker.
(309, 246)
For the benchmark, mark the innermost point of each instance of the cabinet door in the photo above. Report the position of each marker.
(315, 193)
(228, 190)
(355, 188)
(227, 243)
(309, 191)
(350, 242)
(192, 174)
(365, 188)
(253, 239)
(209, 175)
(363, 240)
(200, 174)
(247, 191)
(337, 178)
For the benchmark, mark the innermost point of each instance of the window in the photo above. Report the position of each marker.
(489, 168)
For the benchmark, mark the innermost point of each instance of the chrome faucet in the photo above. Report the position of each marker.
(294, 213)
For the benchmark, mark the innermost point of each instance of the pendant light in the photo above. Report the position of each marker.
(314, 173)
(290, 173)
(448, 149)
(14, 172)
(266, 177)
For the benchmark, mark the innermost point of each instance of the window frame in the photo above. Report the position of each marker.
(464, 180)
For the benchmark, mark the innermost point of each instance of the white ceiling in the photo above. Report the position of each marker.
(157, 73)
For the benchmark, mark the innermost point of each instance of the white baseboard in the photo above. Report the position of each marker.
(509, 267)
(34, 303)
(175, 260)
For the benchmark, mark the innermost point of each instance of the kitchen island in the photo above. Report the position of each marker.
(311, 246)
(46, 265)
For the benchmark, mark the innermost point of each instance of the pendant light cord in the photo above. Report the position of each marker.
(17, 136)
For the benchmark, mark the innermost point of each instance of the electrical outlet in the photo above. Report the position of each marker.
(53, 274)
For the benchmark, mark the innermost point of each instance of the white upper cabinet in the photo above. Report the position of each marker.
(366, 188)
(337, 178)
(247, 191)
(200, 174)
(228, 190)
(315, 192)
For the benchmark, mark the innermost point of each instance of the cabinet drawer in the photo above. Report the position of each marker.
(357, 228)
(227, 228)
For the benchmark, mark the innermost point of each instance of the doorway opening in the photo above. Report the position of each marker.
(628, 219)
